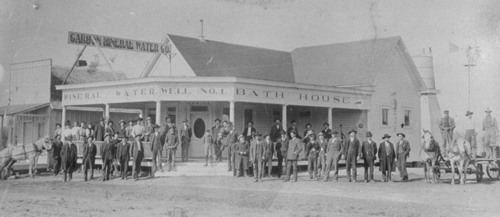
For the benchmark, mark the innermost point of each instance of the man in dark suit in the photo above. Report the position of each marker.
(68, 159)
(116, 157)
(230, 142)
(403, 152)
(386, 158)
(293, 127)
(280, 150)
(256, 156)
(294, 149)
(89, 152)
(334, 150)
(326, 131)
(268, 156)
(215, 140)
(123, 151)
(352, 153)
(99, 131)
(275, 131)
(171, 143)
(369, 154)
(137, 152)
(185, 134)
(156, 148)
(249, 131)
(107, 157)
(242, 150)
(56, 154)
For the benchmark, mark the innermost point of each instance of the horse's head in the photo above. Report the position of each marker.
(427, 139)
(45, 142)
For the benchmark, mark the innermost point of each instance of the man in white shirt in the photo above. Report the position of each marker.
(138, 129)
(66, 132)
(470, 133)
(490, 126)
(75, 131)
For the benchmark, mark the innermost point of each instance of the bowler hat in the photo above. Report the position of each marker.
(217, 120)
(327, 124)
(102, 119)
(488, 110)
(116, 133)
(369, 134)
(446, 112)
(321, 134)
(185, 121)
(121, 121)
(401, 134)
(353, 131)
(90, 137)
(469, 113)
(148, 118)
(138, 135)
(386, 136)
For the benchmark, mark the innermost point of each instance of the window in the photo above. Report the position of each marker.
(385, 116)
(248, 115)
(225, 111)
(199, 128)
(407, 117)
(199, 108)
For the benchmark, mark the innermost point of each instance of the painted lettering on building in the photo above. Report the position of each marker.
(81, 96)
(308, 97)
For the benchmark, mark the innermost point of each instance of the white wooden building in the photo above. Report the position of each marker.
(370, 85)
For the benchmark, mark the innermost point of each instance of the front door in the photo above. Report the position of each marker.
(199, 122)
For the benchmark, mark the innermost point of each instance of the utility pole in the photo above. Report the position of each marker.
(471, 53)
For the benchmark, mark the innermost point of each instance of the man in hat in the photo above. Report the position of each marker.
(334, 150)
(109, 128)
(68, 159)
(171, 143)
(56, 153)
(242, 152)
(99, 130)
(268, 156)
(403, 152)
(352, 153)
(249, 131)
(321, 164)
(122, 132)
(82, 132)
(137, 152)
(386, 158)
(257, 156)
(293, 127)
(107, 157)
(185, 137)
(215, 140)
(281, 149)
(470, 133)
(209, 147)
(156, 148)
(116, 157)
(138, 129)
(148, 129)
(275, 131)
(326, 131)
(490, 126)
(89, 152)
(312, 148)
(123, 151)
(230, 142)
(308, 131)
(294, 149)
(369, 153)
(128, 130)
(447, 125)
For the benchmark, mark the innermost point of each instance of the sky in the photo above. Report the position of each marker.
(31, 33)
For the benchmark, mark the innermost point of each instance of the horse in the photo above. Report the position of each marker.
(458, 154)
(429, 154)
(31, 152)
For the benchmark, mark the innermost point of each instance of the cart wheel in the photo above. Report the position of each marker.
(493, 171)
(479, 173)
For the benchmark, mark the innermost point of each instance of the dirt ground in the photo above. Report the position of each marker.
(47, 195)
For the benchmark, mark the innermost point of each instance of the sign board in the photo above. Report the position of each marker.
(117, 43)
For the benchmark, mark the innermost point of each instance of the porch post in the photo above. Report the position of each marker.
(63, 119)
(106, 111)
(284, 116)
(330, 117)
(231, 111)
(158, 112)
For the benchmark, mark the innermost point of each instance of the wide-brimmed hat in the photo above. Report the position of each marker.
(369, 134)
(386, 136)
(312, 134)
(106, 135)
(352, 131)
(156, 126)
(121, 121)
(321, 134)
(217, 120)
(294, 131)
(148, 118)
(138, 135)
(401, 134)
(469, 113)
(446, 111)
(185, 121)
(488, 110)
(102, 119)
(116, 133)
(335, 133)
(240, 136)
(326, 123)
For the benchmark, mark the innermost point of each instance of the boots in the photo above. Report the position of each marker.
(236, 173)
(64, 176)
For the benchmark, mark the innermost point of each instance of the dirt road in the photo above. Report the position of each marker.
(47, 195)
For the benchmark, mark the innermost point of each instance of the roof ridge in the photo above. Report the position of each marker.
(397, 38)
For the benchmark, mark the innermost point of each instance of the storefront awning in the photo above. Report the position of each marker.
(15, 109)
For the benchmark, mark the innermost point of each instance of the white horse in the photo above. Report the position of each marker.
(429, 154)
(31, 152)
(458, 154)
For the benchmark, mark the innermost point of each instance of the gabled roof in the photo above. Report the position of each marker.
(15, 109)
(218, 59)
(343, 64)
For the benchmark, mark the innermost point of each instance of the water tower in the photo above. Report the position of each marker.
(429, 105)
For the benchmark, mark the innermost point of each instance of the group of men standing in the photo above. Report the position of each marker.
(323, 152)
